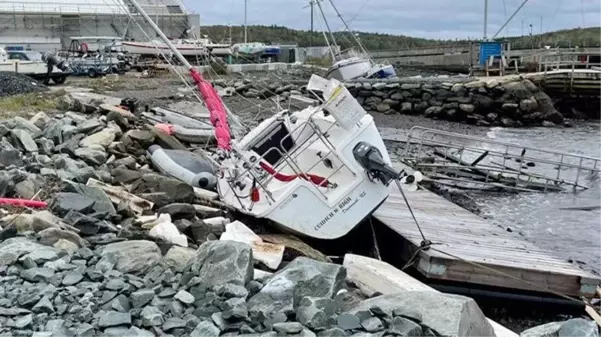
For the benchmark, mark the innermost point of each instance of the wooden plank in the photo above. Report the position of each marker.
(463, 234)
(373, 276)
(594, 315)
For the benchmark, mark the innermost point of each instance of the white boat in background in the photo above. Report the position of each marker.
(158, 48)
(34, 65)
(217, 49)
(255, 48)
(351, 64)
(349, 67)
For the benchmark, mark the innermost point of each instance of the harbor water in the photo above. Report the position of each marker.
(552, 220)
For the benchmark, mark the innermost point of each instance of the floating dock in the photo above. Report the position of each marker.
(472, 240)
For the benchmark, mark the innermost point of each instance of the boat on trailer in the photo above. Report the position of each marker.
(158, 48)
(317, 172)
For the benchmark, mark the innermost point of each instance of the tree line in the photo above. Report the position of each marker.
(583, 37)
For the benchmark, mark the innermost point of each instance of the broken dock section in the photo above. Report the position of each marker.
(471, 240)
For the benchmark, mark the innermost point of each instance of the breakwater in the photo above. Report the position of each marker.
(511, 101)
(482, 102)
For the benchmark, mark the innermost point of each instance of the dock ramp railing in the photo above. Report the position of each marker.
(474, 163)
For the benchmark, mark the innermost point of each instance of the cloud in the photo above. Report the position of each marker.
(442, 19)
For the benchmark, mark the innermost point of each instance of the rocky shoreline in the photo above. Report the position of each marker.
(90, 255)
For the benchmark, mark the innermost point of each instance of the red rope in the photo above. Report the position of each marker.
(317, 180)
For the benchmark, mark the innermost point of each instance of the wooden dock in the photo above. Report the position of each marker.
(463, 234)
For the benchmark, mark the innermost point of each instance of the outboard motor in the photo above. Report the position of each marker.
(53, 61)
(372, 161)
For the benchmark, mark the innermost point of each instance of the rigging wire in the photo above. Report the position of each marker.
(161, 53)
(356, 14)
(554, 14)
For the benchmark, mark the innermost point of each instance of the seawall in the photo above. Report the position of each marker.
(482, 102)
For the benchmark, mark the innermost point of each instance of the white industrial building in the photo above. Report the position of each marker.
(47, 25)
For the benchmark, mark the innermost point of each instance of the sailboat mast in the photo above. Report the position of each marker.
(245, 22)
(325, 20)
(485, 19)
(347, 26)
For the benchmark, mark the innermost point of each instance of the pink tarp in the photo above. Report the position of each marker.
(216, 110)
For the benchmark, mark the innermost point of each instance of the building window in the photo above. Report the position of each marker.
(174, 9)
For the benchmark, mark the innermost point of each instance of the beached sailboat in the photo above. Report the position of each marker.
(354, 62)
(318, 172)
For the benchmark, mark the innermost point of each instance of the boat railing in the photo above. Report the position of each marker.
(290, 159)
(486, 161)
(350, 52)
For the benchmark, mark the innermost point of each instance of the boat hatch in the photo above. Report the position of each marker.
(276, 136)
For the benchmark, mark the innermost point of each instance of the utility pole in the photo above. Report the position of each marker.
(245, 22)
(541, 24)
(311, 4)
(485, 19)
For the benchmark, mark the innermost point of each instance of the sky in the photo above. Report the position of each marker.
(444, 19)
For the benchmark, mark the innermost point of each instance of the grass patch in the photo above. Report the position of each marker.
(104, 84)
(30, 101)
(320, 62)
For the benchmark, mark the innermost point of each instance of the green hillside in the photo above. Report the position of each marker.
(585, 37)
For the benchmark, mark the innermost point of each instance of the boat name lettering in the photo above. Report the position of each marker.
(344, 206)
(345, 202)
(326, 219)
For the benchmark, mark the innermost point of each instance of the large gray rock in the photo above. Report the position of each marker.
(449, 315)
(278, 293)
(544, 330)
(13, 248)
(577, 327)
(177, 258)
(162, 190)
(102, 203)
(93, 155)
(220, 262)
(205, 329)
(136, 256)
(23, 139)
(64, 202)
(103, 138)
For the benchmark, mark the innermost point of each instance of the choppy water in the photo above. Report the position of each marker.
(571, 234)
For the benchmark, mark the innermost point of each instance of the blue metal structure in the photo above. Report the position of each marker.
(489, 48)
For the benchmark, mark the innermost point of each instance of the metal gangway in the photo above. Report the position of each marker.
(475, 163)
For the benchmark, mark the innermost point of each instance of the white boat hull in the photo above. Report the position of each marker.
(307, 214)
(299, 206)
(222, 51)
(27, 67)
(143, 48)
(348, 69)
